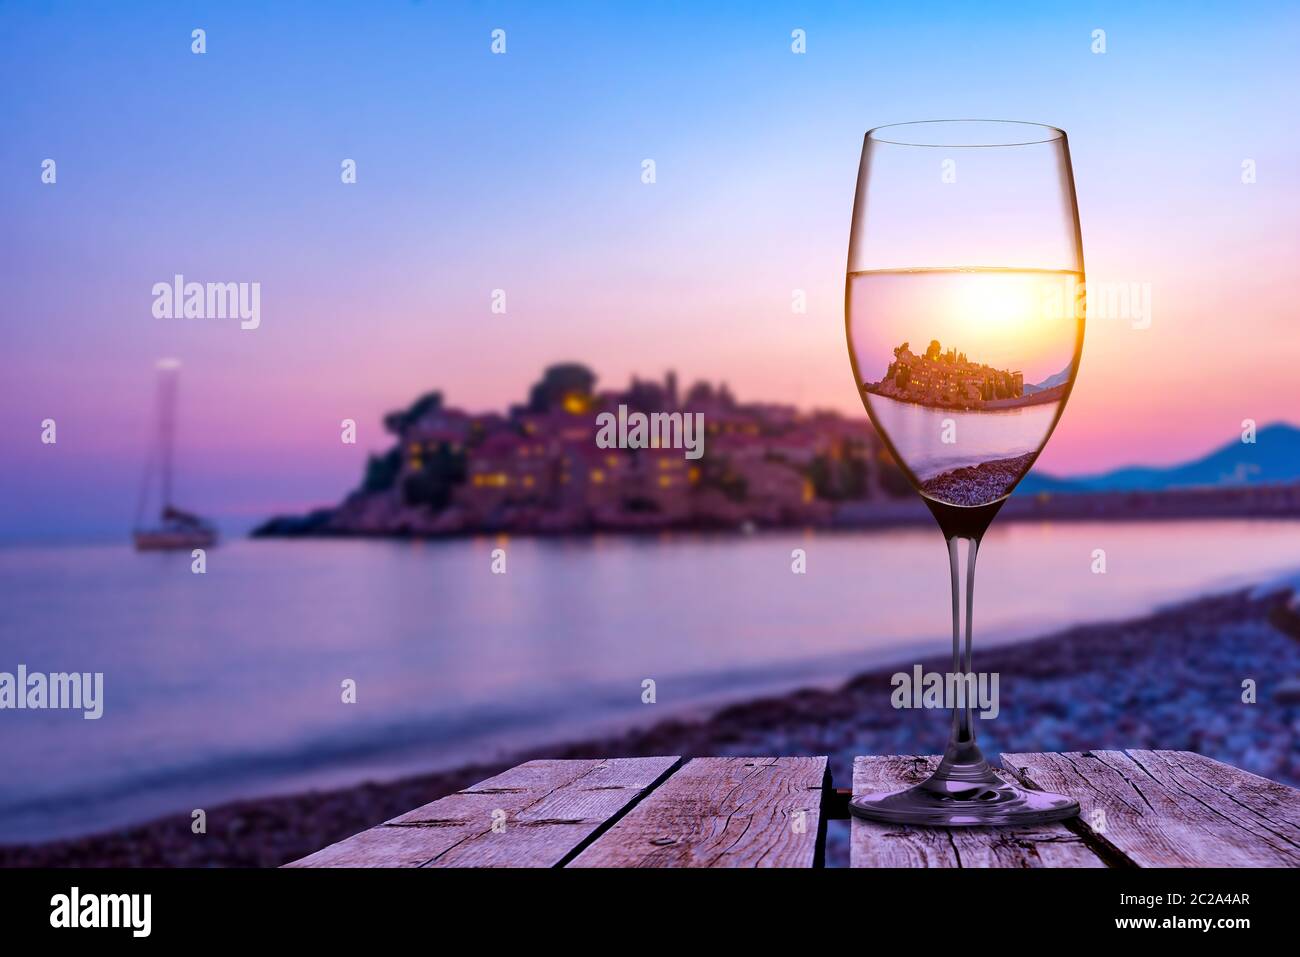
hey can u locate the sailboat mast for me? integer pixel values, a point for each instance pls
(167, 382)
(177, 529)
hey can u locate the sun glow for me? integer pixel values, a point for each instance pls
(1020, 310)
(1005, 303)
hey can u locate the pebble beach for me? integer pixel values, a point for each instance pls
(978, 484)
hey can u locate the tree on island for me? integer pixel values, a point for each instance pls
(433, 484)
(559, 382)
(398, 422)
(382, 471)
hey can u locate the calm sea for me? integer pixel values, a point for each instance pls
(227, 684)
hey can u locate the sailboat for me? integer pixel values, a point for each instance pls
(177, 529)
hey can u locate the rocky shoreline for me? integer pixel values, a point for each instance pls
(1170, 680)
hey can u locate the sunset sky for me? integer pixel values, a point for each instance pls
(522, 172)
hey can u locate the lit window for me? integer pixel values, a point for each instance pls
(575, 404)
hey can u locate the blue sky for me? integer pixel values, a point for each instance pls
(521, 172)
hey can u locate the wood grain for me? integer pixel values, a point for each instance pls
(1140, 808)
(878, 844)
(1173, 808)
(543, 811)
(721, 812)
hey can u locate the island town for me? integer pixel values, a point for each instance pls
(539, 467)
(947, 379)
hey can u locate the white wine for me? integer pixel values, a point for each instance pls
(965, 371)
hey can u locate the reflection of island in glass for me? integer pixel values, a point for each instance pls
(949, 380)
(989, 409)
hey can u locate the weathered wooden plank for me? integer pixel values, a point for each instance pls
(721, 812)
(542, 812)
(878, 844)
(1174, 808)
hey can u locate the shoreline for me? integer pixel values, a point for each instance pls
(1280, 501)
(1110, 685)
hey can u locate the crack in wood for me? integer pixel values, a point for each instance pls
(431, 822)
(548, 821)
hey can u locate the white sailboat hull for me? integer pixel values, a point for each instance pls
(160, 540)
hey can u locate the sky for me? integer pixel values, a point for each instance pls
(523, 172)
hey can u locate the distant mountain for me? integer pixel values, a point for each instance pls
(1273, 458)
(1051, 382)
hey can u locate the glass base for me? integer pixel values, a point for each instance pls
(973, 805)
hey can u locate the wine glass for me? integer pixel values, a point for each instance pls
(964, 311)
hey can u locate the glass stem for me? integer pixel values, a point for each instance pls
(963, 763)
(962, 731)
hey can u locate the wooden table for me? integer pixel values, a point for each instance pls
(1138, 809)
